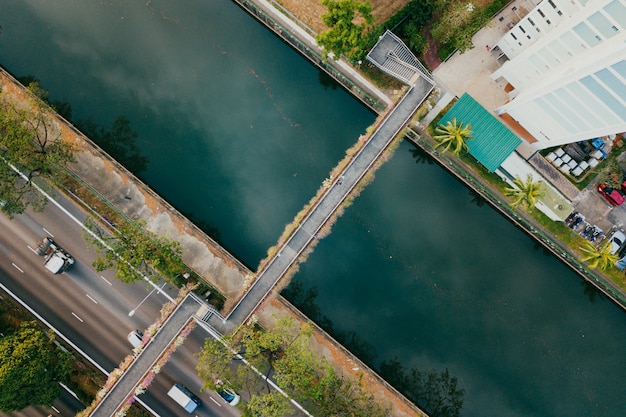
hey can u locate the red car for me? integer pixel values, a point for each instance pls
(612, 195)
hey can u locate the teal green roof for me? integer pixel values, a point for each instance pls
(493, 142)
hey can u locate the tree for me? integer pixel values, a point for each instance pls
(348, 22)
(31, 367)
(453, 136)
(598, 257)
(528, 191)
(31, 142)
(135, 251)
(273, 404)
(284, 353)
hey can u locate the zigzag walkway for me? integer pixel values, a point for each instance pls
(125, 386)
(341, 187)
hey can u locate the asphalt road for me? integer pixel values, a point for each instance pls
(91, 308)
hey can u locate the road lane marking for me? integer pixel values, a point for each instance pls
(74, 314)
(55, 409)
(218, 404)
(33, 250)
(91, 298)
(107, 281)
(17, 267)
(46, 230)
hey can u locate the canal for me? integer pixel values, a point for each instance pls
(240, 131)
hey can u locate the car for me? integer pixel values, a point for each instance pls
(227, 394)
(613, 196)
(134, 338)
(617, 241)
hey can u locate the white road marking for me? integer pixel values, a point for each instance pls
(91, 298)
(55, 409)
(46, 230)
(33, 250)
(218, 404)
(74, 314)
(107, 281)
(17, 267)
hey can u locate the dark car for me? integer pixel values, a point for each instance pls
(613, 196)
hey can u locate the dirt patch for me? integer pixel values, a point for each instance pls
(310, 11)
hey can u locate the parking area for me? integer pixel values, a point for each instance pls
(597, 210)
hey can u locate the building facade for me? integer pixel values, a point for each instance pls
(565, 63)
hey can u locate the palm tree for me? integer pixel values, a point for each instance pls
(529, 191)
(453, 136)
(598, 257)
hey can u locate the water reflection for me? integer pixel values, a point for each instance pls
(591, 291)
(436, 392)
(421, 156)
(326, 81)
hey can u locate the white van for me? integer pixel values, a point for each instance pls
(184, 397)
(134, 338)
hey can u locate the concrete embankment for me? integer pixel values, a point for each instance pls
(125, 193)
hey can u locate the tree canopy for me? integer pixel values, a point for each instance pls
(348, 22)
(135, 251)
(528, 191)
(598, 257)
(31, 367)
(30, 141)
(284, 353)
(453, 136)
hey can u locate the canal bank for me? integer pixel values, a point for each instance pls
(134, 200)
(304, 42)
(477, 64)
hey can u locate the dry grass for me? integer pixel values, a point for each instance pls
(310, 11)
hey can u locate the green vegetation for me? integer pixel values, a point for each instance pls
(348, 22)
(528, 191)
(453, 136)
(455, 23)
(31, 367)
(135, 252)
(32, 143)
(284, 352)
(598, 257)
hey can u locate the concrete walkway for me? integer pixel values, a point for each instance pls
(125, 386)
(324, 209)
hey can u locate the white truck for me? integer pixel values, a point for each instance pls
(184, 397)
(56, 259)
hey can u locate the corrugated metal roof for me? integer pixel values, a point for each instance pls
(493, 142)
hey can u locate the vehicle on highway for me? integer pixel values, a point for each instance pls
(184, 397)
(134, 338)
(617, 241)
(227, 393)
(613, 196)
(56, 260)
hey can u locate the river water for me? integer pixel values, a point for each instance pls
(240, 131)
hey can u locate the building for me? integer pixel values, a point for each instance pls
(565, 65)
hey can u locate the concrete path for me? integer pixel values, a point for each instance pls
(324, 209)
(146, 359)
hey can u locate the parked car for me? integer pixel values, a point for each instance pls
(228, 394)
(134, 338)
(613, 196)
(617, 241)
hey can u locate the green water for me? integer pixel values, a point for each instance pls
(241, 131)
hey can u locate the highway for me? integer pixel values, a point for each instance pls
(92, 309)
